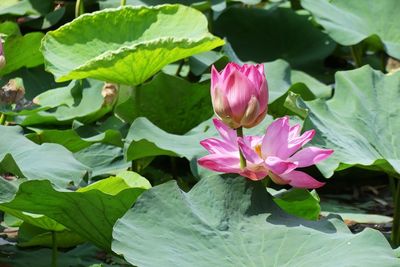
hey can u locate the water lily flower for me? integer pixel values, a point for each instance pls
(277, 154)
(240, 94)
(224, 153)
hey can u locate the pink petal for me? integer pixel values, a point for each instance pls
(221, 163)
(263, 96)
(294, 131)
(260, 68)
(239, 91)
(279, 166)
(221, 104)
(214, 79)
(303, 139)
(254, 76)
(244, 69)
(301, 180)
(254, 175)
(232, 66)
(253, 140)
(276, 138)
(277, 179)
(249, 153)
(224, 131)
(251, 113)
(260, 117)
(310, 156)
(296, 143)
(215, 146)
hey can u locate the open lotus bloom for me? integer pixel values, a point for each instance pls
(2, 57)
(239, 94)
(277, 154)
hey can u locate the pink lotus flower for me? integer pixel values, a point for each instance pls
(277, 154)
(239, 94)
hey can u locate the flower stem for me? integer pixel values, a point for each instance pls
(239, 132)
(210, 16)
(356, 53)
(79, 9)
(392, 185)
(123, 2)
(2, 119)
(396, 218)
(54, 246)
(180, 66)
(267, 181)
(295, 4)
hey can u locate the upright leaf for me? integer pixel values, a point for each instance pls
(22, 51)
(126, 45)
(361, 122)
(349, 22)
(262, 35)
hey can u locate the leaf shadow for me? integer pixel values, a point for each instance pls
(261, 203)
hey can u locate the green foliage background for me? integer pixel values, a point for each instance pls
(98, 158)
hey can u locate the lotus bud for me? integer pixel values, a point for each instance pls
(240, 94)
(109, 93)
(13, 92)
(2, 57)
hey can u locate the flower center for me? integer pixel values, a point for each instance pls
(257, 148)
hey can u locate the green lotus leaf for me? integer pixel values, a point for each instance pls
(266, 35)
(80, 100)
(8, 29)
(25, 7)
(126, 45)
(172, 103)
(38, 220)
(299, 202)
(283, 80)
(350, 212)
(83, 255)
(73, 139)
(90, 211)
(200, 63)
(145, 140)
(22, 157)
(116, 3)
(361, 122)
(22, 51)
(349, 22)
(103, 159)
(48, 20)
(31, 236)
(35, 80)
(234, 222)
(8, 190)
